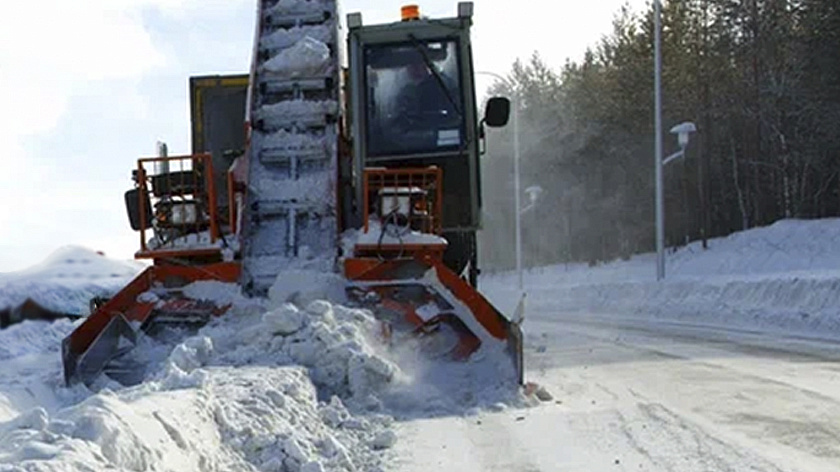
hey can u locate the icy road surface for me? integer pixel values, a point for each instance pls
(633, 394)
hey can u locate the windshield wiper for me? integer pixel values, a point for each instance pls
(436, 73)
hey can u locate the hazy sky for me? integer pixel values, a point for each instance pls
(88, 86)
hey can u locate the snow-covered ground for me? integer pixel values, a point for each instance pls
(784, 277)
(729, 364)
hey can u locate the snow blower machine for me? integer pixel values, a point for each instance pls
(354, 153)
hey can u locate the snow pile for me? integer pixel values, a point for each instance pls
(254, 390)
(67, 280)
(246, 418)
(309, 57)
(781, 277)
(335, 343)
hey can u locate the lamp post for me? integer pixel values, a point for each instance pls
(516, 197)
(683, 132)
(657, 92)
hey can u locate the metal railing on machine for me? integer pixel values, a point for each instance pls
(177, 201)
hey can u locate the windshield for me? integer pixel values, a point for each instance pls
(413, 94)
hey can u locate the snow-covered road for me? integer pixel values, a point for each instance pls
(634, 394)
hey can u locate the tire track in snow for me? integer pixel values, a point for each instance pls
(724, 384)
(751, 349)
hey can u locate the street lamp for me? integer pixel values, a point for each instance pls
(683, 132)
(534, 192)
(516, 197)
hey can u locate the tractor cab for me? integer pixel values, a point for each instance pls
(413, 106)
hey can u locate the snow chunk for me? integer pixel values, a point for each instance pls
(148, 297)
(220, 293)
(303, 287)
(384, 439)
(313, 466)
(284, 320)
(284, 38)
(192, 353)
(368, 373)
(309, 57)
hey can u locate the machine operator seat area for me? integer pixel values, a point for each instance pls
(414, 99)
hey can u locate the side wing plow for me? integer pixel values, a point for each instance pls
(112, 329)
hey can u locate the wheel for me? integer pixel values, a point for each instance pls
(461, 255)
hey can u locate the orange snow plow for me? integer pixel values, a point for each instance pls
(401, 276)
(326, 156)
(112, 329)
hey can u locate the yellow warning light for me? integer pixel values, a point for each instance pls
(410, 12)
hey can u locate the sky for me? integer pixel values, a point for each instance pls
(87, 87)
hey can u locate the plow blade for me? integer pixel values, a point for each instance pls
(112, 329)
(420, 295)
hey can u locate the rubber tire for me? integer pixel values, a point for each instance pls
(462, 249)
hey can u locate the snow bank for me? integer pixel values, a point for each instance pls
(67, 280)
(782, 277)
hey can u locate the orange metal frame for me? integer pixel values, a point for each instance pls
(429, 179)
(201, 166)
(125, 302)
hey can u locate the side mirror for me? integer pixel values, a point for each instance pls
(497, 112)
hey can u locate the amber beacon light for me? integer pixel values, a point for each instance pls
(410, 12)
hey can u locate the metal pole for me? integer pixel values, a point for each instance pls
(517, 197)
(660, 205)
